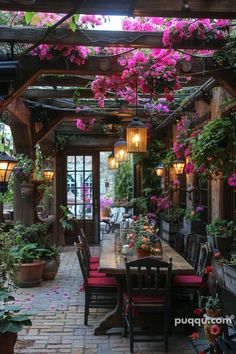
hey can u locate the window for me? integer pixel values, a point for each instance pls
(202, 197)
(80, 186)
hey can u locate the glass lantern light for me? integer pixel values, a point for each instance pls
(120, 150)
(136, 136)
(48, 174)
(179, 166)
(159, 170)
(111, 162)
(7, 164)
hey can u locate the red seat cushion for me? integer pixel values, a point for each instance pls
(93, 266)
(145, 299)
(95, 273)
(102, 281)
(94, 259)
(187, 281)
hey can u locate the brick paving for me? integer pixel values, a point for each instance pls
(58, 323)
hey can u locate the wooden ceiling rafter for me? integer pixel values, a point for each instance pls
(99, 38)
(168, 8)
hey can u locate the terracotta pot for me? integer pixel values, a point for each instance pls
(7, 342)
(26, 189)
(214, 313)
(142, 253)
(50, 269)
(29, 275)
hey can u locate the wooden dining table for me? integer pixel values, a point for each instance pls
(112, 262)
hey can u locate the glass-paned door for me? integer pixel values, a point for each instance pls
(82, 193)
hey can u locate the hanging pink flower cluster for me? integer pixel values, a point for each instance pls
(232, 180)
(203, 29)
(85, 125)
(159, 107)
(161, 203)
(74, 54)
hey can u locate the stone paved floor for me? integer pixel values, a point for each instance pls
(58, 326)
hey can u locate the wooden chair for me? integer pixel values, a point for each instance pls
(147, 292)
(89, 267)
(198, 281)
(227, 340)
(100, 292)
(83, 239)
(192, 248)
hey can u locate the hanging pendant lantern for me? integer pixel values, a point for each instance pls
(136, 136)
(120, 150)
(48, 174)
(7, 164)
(159, 170)
(179, 166)
(111, 162)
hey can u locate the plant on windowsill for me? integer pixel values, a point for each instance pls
(220, 235)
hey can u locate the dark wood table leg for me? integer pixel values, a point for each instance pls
(113, 318)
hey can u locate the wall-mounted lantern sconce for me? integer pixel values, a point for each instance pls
(120, 150)
(159, 170)
(7, 164)
(179, 166)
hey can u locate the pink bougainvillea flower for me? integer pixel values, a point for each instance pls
(194, 335)
(215, 330)
(199, 208)
(232, 180)
(208, 269)
(198, 312)
(216, 254)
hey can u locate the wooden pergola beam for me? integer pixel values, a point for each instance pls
(59, 93)
(69, 81)
(101, 38)
(167, 8)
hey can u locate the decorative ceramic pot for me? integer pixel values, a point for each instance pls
(50, 269)
(142, 253)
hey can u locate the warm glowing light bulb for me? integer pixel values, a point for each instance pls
(136, 139)
(122, 152)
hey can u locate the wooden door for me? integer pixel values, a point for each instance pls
(83, 192)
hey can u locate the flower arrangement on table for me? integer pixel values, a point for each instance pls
(143, 237)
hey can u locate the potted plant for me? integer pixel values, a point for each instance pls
(70, 225)
(24, 171)
(192, 222)
(142, 237)
(11, 322)
(52, 262)
(220, 235)
(28, 251)
(229, 273)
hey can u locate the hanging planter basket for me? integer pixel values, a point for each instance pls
(26, 189)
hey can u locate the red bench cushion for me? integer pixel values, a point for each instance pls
(187, 281)
(95, 273)
(145, 299)
(94, 259)
(93, 266)
(102, 281)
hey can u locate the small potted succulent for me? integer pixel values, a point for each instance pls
(220, 235)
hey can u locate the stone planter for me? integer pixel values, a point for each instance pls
(224, 245)
(29, 275)
(7, 342)
(193, 227)
(229, 272)
(26, 189)
(169, 231)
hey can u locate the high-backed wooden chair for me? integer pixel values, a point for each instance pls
(83, 239)
(100, 292)
(91, 272)
(148, 291)
(198, 281)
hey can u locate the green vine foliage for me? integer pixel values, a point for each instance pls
(213, 149)
(123, 183)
